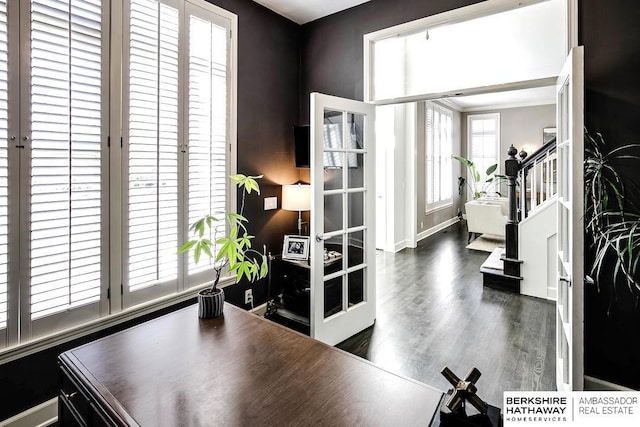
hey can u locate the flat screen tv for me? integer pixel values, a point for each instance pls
(301, 136)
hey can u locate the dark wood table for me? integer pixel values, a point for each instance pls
(178, 370)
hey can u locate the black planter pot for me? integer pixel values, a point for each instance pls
(210, 304)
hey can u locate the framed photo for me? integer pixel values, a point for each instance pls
(296, 248)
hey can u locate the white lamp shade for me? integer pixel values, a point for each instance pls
(296, 197)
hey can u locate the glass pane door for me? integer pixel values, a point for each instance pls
(343, 279)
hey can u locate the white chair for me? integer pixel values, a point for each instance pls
(487, 215)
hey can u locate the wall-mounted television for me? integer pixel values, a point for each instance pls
(302, 140)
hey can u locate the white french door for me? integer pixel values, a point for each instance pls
(343, 291)
(570, 303)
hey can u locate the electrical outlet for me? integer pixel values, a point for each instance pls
(270, 203)
(248, 296)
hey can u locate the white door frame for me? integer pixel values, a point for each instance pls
(485, 8)
(570, 241)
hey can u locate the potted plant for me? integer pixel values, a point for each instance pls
(232, 250)
(611, 219)
(479, 186)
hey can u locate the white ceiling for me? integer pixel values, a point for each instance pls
(303, 11)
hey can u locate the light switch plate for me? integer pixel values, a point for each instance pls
(270, 203)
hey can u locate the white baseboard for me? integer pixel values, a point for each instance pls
(596, 384)
(406, 243)
(398, 246)
(433, 230)
(45, 414)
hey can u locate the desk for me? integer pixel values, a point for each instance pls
(242, 370)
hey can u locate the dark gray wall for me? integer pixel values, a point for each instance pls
(332, 57)
(610, 34)
(268, 94)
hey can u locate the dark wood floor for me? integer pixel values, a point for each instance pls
(433, 311)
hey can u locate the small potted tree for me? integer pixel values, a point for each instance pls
(232, 250)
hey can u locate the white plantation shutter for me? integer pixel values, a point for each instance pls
(484, 133)
(178, 141)
(4, 172)
(153, 144)
(207, 121)
(66, 177)
(446, 171)
(438, 139)
(62, 226)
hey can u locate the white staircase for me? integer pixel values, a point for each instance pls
(537, 250)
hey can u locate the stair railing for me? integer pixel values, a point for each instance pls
(537, 178)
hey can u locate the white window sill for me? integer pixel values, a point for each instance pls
(42, 343)
(433, 209)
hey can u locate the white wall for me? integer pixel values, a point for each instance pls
(537, 249)
(397, 189)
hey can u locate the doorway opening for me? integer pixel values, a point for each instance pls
(405, 69)
(485, 57)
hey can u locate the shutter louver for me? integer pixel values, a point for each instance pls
(4, 153)
(429, 153)
(153, 144)
(66, 123)
(447, 171)
(439, 129)
(484, 137)
(207, 122)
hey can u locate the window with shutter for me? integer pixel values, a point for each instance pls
(176, 93)
(152, 144)
(438, 144)
(66, 118)
(178, 139)
(4, 171)
(484, 138)
(207, 119)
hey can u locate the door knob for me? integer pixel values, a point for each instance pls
(565, 279)
(320, 237)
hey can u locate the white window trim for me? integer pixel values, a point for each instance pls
(483, 116)
(441, 204)
(439, 207)
(111, 310)
(118, 303)
(44, 342)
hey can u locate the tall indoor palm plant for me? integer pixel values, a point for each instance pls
(612, 221)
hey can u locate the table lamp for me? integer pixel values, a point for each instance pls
(296, 197)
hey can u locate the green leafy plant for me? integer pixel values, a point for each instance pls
(613, 222)
(232, 249)
(479, 186)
